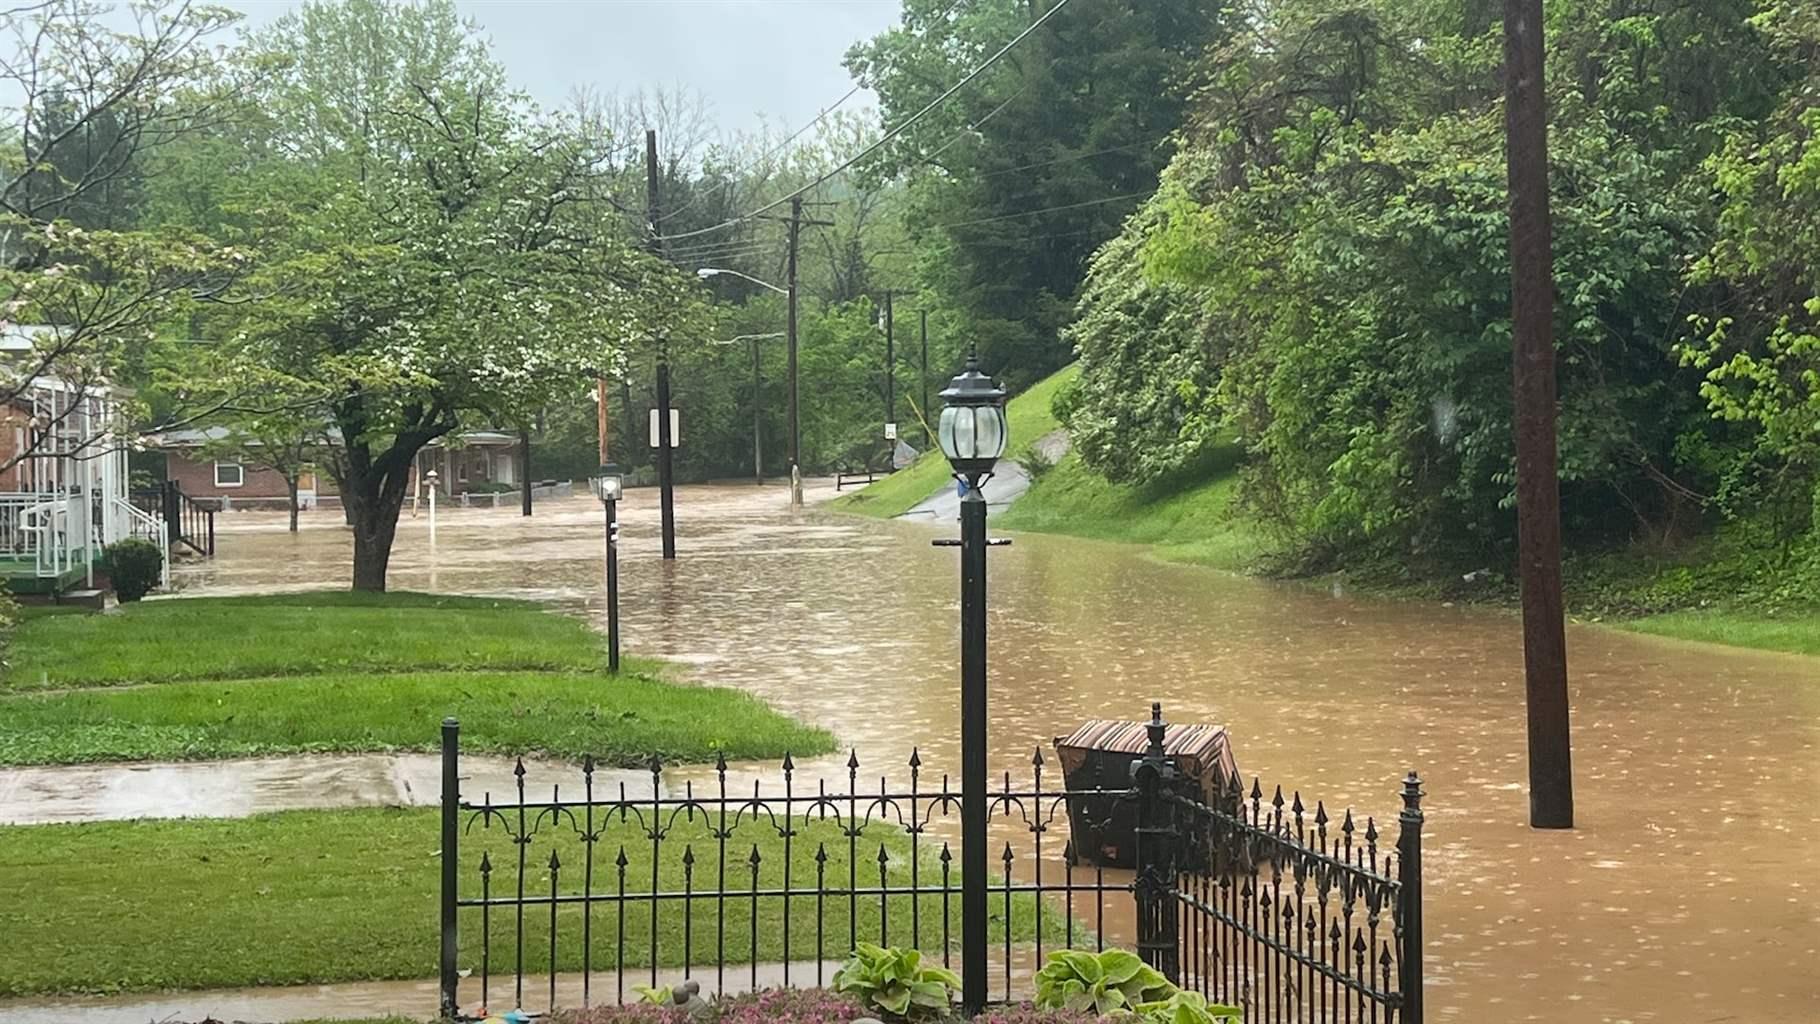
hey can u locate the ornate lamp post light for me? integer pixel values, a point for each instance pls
(608, 486)
(972, 434)
(429, 480)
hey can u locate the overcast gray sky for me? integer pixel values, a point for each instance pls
(777, 58)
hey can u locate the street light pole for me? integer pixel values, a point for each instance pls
(973, 437)
(608, 485)
(612, 505)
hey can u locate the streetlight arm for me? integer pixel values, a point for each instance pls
(707, 272)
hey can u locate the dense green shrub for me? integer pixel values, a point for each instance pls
(136, 567)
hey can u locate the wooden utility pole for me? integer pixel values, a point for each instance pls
(665, 468)
(599, 388)
(795, 426)
(524, 470)
(758, 419)
(1532, 292)
(890, 373)
(923, 413)
(796, 223)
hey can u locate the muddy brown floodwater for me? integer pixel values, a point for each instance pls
(1688, 891)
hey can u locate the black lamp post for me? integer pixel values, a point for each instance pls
(972, 434)
(608, 485)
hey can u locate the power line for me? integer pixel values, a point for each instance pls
(901, 127)
(1034, 213)
(768, 154)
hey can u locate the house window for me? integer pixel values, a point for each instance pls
(229, 474)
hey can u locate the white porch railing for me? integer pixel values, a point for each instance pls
(38, 529)
(145, 526)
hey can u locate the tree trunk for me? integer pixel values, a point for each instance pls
(291, 482)
(373, 503)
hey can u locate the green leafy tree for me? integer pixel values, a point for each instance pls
(1760, 349)
(431, 254)
(1016, 180)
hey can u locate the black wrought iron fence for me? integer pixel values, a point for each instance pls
(579, 889)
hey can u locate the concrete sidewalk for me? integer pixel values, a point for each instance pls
(238, 788)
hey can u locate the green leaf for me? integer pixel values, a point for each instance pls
(1120, 965)
(932, 994)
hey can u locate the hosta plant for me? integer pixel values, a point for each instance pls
(1104, 983)
(896, 981)
(1188, 1008)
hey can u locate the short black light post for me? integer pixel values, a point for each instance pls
(608, 486)
(972, 433)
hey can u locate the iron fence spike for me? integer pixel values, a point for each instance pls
(883, 857)
(789, 762)
(688, 857)
(554, 863)
(853, 759)
(486, 863)
(916, 758)
(1277, 801)
(755, 859)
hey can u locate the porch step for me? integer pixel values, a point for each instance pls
(93, 600)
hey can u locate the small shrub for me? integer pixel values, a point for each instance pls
(1027, 1013)
(1104, 983)
(895, 981)
(630, 1013)
(769, 1006)
(136, 567)
(1036, 461)
(791, 1006)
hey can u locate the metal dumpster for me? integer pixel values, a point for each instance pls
(1100, 754)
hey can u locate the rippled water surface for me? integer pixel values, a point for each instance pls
(1689, 891)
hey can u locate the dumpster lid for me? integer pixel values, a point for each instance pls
(1205, 745)
(1133, 738)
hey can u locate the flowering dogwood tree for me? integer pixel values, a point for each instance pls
(435, 252)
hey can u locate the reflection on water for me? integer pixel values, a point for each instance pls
(1686, 892)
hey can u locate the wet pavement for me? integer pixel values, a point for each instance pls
(1686, 892)
(237, 788)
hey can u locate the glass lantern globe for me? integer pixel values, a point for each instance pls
(972, 431)
(607, 484)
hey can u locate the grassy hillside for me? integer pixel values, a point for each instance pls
(1190, 520)
(1028, 417)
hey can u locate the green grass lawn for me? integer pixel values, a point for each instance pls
(1797, 633)
(1193, 522)
(345, 673)
(324, 896)
(1027, 416)
(618, 719)
(293, 634)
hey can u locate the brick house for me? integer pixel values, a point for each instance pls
(480, 460)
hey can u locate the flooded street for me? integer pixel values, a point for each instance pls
(1687, 892)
